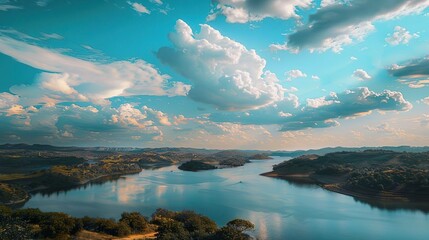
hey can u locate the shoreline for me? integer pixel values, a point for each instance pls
(382, 197)
(83, 182)
(40, 189)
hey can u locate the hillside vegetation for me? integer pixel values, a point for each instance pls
(164, 225)
(386, 175)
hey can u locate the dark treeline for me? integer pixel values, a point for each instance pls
(35, 224)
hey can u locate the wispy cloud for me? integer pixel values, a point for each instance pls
(6, 7)
(67, 78)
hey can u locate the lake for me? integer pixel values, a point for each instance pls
(280, 210)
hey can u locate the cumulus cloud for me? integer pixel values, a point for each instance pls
(9, 105)
(424, 100)
(400, 36)
(295, 73)
(66, 78)
(361, 75)
(139, 7)
(320, 112)
(243, 11)
(7, 100)
(320, 102)
(223, 72)
(358, 102)
(414, 73)
(160, 116)
(339, 24)
(129, 116)
(101, 125)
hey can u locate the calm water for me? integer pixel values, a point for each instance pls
(279, 209)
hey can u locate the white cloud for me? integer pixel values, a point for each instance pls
(7, 100)
(332, 27)
(295, 73)
(353, 58)
(400, 36)
(319, 102)
(161, 117)
(81, 125)
(178, 120)
(243, 11)
(425, 100)
(52, 36)
(320, 112)
(159, 2)
(139, 7)
(129, 116)
(315, 77)
(291, 89)
(361, 75)
(6, 7)
(325, 3)
(42, 3)
(283, 114)
(222, 71)
(71, 79)
(15, 110)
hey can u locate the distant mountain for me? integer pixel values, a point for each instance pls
(324, 151)
(35, 147)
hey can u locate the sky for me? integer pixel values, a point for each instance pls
(223, 74)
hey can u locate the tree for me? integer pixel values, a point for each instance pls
(135, 221)
(172, 230)
(197, 225)
(31, 215)
(241, 225)
(12, 228)
(163, 213)
(57, 224)
(234, 230)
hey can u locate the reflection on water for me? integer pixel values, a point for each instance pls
(396, 206)
(279, 209)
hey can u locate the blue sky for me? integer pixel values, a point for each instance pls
(243, 74)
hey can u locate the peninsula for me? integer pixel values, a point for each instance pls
(382, 175)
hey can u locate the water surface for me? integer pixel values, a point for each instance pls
(280, 210)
